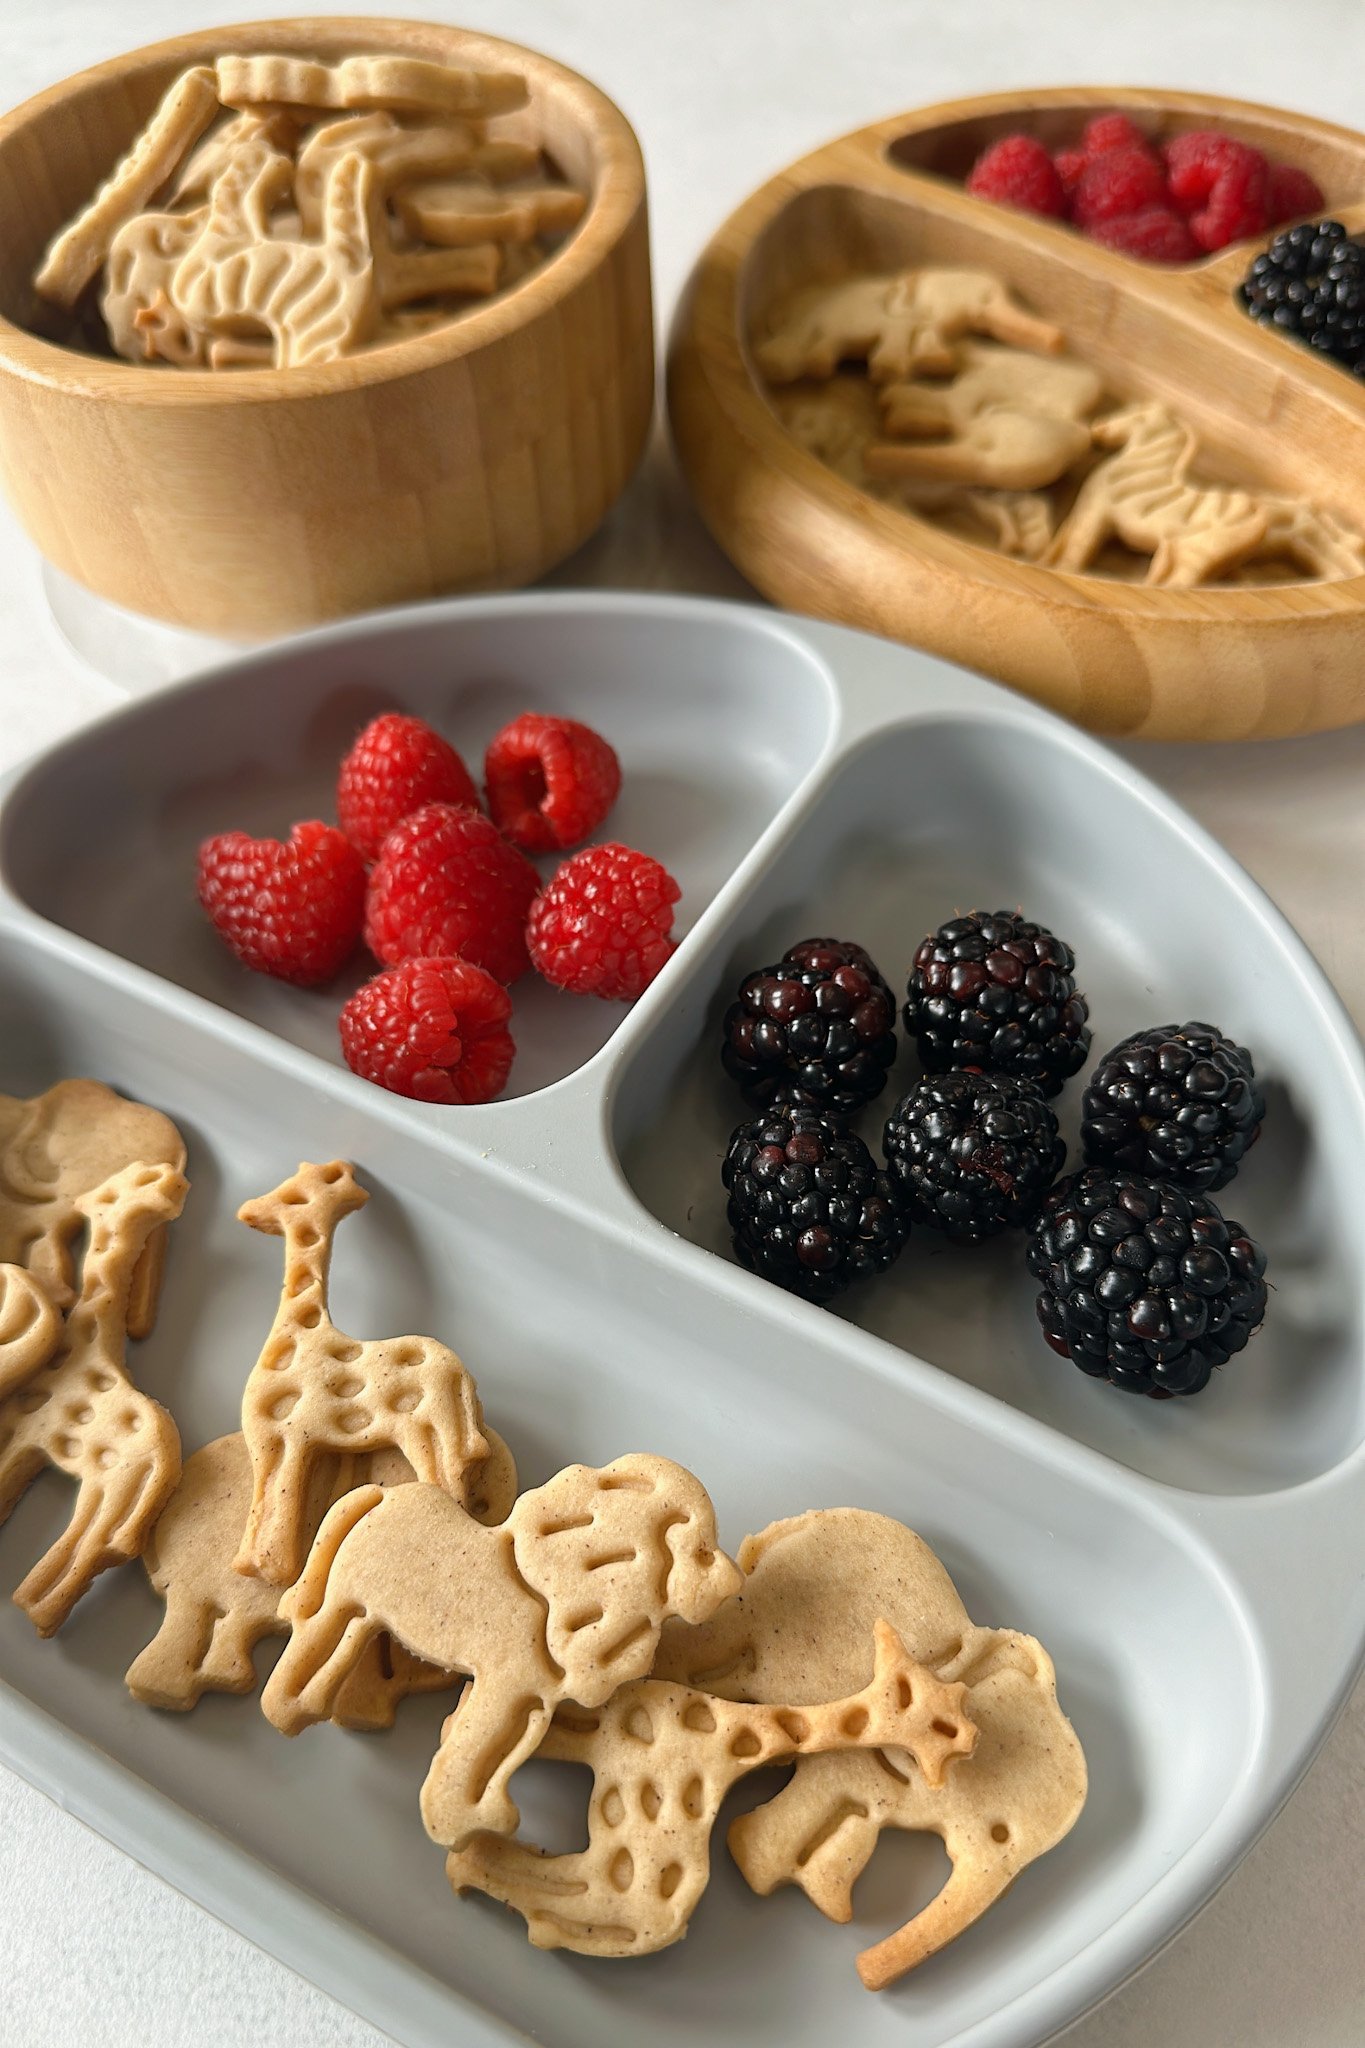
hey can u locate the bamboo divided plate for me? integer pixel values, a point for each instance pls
(242, 503)
(1122, 657)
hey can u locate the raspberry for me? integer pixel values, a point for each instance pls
(1111, 131)
(1120, 181)
(397, 765)
(1068, 164)
(446, 881)
(291, 909)
(1017, 171)
(1290, 194)
(1157, 234)
(550, 782)
(435, 1029)
(603, 926)
(1221, 185)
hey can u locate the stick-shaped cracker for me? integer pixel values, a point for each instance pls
(77, 253)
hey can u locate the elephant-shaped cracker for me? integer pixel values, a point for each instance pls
(564, 1601)
(1007, 421)
(216, 1616)
(662, 1758)
(315, 1391)
(82, 1413)
(900, 325)
(798, 1632)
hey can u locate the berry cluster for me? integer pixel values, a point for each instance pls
(450, 904)
(1310, 283)
(1143, 1281)
(1167, 203)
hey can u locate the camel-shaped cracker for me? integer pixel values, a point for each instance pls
(82, 1413)
(215, 1616)
(315, 1390)
(1193, 532)
(1007, 421)
(57, 1147)
(663, 1757)
(563, 1602)
(900, 324)
(799, 1632)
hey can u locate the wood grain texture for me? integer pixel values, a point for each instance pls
(472, 457)
(1117, 656)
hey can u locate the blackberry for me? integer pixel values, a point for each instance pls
(992, 990)
(972, 1154)
(809, 1206)
(1310, 283)
(818, 1029)
(1143, 1284)
(1179, 1102)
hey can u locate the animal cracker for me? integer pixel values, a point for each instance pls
(899, 324)
(410, 85)
(1007, 421)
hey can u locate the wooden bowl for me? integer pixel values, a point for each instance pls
(1216, 662)
(471, 457)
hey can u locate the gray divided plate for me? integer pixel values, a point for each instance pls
(1193, 1566)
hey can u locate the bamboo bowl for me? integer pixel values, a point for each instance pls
(1215, 662)
(251, 502)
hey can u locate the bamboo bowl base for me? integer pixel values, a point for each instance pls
(1276, 656)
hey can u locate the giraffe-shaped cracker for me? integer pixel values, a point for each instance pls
(82, 1413)
(900, 325)
(215, 1616)
(314, 1390)
(564, 1601)
(663, 1757)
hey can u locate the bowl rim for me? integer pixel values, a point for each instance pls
(618, 197)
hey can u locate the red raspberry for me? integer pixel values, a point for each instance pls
(550, 782)
(1157, 234)
(446, 881)
(1122, 180)
(1221, 186)
(1017, 171)
(603, 926)
(1290, 194)
(1112, 131)
(288, 909)
(397, 765)
(434, 1029)
(1068, 164)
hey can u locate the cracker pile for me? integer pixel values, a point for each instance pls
(970, 414)
(366, 1512)
(326, 208)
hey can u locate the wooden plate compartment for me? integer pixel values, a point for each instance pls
(1218, 661)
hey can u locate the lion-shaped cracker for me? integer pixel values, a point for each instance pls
(799, 1632)
(82, 1413)
(901, 324)
(57, 1147)
(314, 1390)
(215, 1617)
(563, 1602)
(1007, 421)
(662, 1758)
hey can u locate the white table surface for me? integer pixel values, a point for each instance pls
(722, 93)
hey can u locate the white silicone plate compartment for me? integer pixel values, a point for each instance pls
(1192, 1567)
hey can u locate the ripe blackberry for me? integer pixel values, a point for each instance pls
(1310, 283)
(818, 1028)
(809, 1206)
(991, 990)
(973, 1154)
(1143, 1284)
(1179, 1102)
